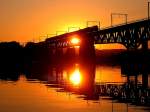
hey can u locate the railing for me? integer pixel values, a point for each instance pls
(130, 22)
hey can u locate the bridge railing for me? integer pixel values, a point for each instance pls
(129, 22)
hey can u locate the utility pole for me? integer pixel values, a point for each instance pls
(75, 28)
(119, 14)
(97, 22)
(60, 32)
(50, 35)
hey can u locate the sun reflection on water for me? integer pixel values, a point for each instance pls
(75, 77)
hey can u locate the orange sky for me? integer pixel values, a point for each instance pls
(27, 20)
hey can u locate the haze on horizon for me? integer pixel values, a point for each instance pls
(27, 20)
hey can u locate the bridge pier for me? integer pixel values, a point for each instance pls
(87, 48)
(58, 56)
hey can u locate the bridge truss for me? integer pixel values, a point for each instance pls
(131, 35)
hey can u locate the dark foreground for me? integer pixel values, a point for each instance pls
(113, 81)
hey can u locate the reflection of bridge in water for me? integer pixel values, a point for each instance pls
(135, 90)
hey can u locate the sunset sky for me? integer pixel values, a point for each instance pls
(28, 20)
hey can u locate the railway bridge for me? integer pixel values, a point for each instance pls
(132, 35)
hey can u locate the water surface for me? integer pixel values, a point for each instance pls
(41, 93)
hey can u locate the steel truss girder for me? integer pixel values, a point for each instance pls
(130, 35)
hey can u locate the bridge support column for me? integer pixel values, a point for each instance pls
(52, 55)
(87, 48)
(59, 55)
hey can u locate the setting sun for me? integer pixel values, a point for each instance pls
(75, 78)
(75, 40)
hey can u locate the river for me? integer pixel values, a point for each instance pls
(65, 88)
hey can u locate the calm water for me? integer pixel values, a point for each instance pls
(52, 91)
